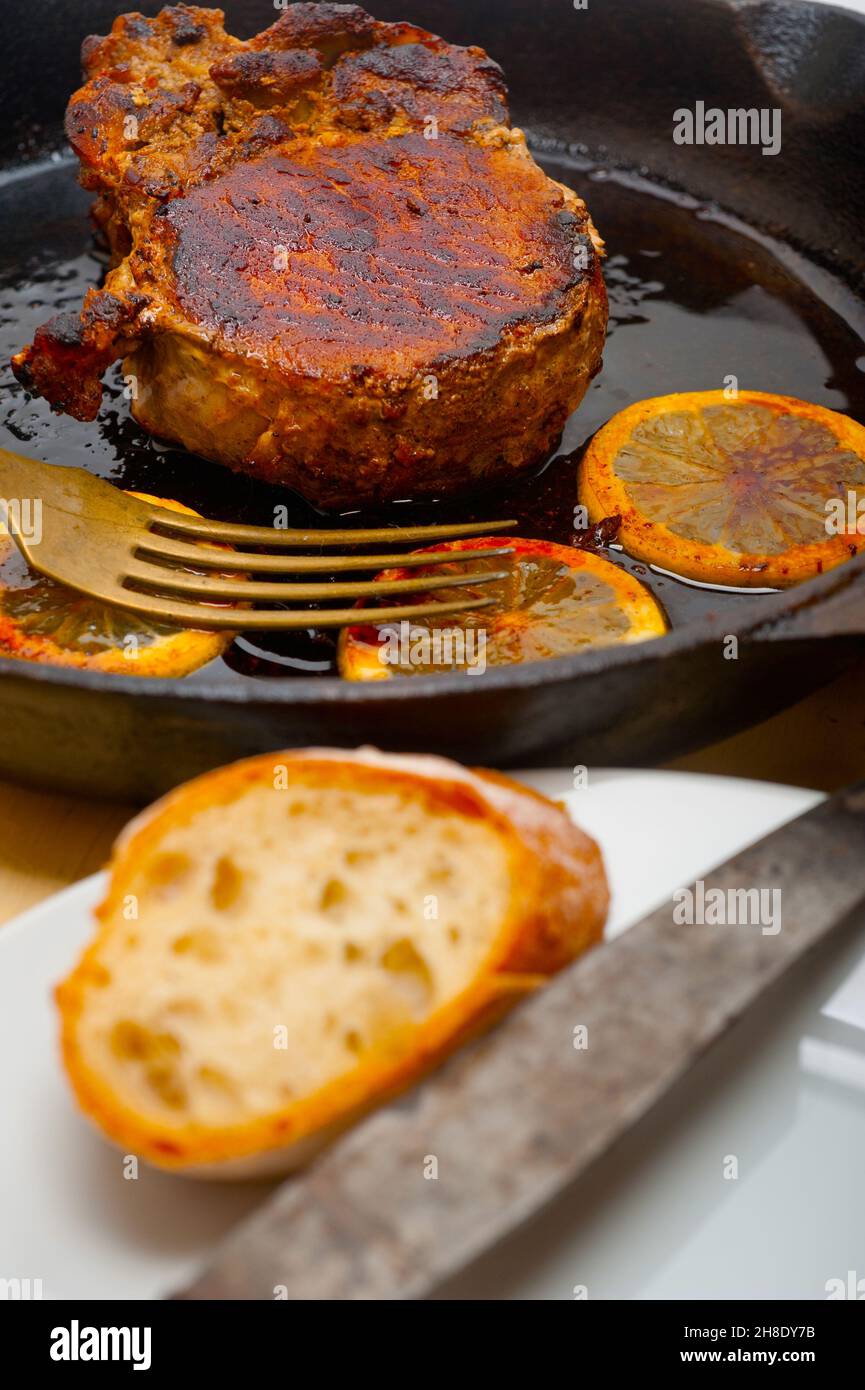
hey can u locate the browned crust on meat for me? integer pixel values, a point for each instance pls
(306, 224)
(267, 78)
(69, 354)
(369, 255)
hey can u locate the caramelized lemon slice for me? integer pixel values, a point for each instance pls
(43, 621)
(746, 491)
(555, 600)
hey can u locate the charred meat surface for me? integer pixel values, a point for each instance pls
(336, 266)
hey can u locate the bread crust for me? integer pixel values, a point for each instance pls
(557, 910)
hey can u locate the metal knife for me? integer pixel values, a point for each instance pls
(514, 1118)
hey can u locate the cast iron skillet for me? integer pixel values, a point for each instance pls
(599, 83)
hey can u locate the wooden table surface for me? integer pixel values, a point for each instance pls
(47, 841)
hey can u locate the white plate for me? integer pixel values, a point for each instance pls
(657, 1219)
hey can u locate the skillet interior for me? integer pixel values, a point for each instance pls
(609, 79)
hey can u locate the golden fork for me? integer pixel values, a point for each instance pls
(131, 554)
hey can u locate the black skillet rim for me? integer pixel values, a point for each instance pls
(305, 690)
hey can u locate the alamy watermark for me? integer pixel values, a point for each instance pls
(20, 1290)
(851, 1287)
(447, 647)
(845, 516)
(23, 517)
(77, 1343)
(734, 907)
(736, 126)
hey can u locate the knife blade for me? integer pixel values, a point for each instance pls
(419, 1189)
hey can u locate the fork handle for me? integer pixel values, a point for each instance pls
(18, 475)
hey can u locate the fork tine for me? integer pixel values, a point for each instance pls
(229, 533)
(97, 530)
(181, 582)
(210, 557)
(203, 616)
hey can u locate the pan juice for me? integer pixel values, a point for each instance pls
(696, 298)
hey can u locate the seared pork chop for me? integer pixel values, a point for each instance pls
(336, 265)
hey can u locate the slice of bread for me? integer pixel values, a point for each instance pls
(287, 941)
